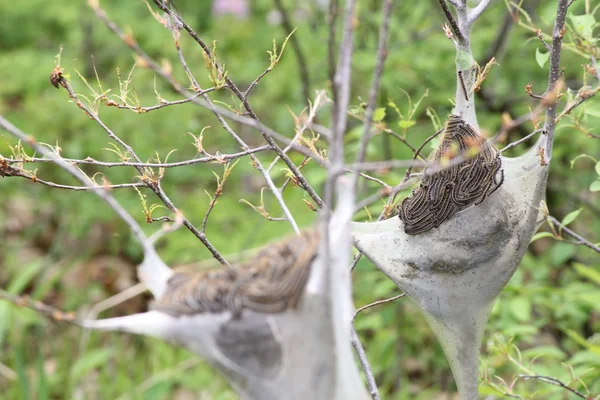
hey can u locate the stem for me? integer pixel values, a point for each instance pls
(553, 77)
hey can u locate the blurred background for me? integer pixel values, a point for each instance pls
(70, 250)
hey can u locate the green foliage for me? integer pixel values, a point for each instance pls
(54, 242)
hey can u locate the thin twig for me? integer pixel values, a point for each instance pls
(538, 33)
(10, 171)
(379, 302)
(476, 12)
(380, 58)
(364, 363)
(312, 112)
(555, 382)
(99, 190)
(418, 152)
(553, 77)
(518, 142)
(150, 63)
(163, 103)
(452, 21)
(220, 158)
(236, 91)
(331, 56)
(360, 351)
(42, 308)
(154, 185)
(255, 161)
(575, 235)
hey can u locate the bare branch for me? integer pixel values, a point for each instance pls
(379, 63)
(231, 86)
(10, 171)
(580, 239)
(523, 139)
(453, 24)
(364, 363)
(331, 56)
(554, 75)
(219, 158)
(379, 302)
(360, 351)
(150, 63)
(555, 382)
(538, 33)
(153, 184)
(476, 12)
(418, 153)
(163, 103)
(99, 190)
(42, 308)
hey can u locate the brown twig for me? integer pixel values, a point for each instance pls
(418, 152)
(580, 239)
(360, 351)
(554, 76)
(10, 171)
(163, 103)
(255, 161)
(236, 91)
(452, 21)
(151, 182)
(380, 58)
(219, 158)
(518, 142)
(42, 308)
(555, 382)
(148, 62)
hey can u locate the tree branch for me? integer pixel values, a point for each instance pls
(580, 238)
(554, 75)
(452, 21)
(153, 184)
(374, 91)
(236, 91)
(476, 12)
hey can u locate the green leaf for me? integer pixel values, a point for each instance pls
(595, 186)
(88, 362)
(584, 25)
(598, 168)
(19, 355)
(580, 340)
(561, 252)
(405, 124)
(540, 235)
(593, 111)
(593, 274)
(520, 308)
(26, 275)
(379, 114)
(43, 392)
(541, 58)
(5, 319)
(570, 217)
(435, 120)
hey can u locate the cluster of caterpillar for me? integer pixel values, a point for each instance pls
(271, 282)
(465, 170)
